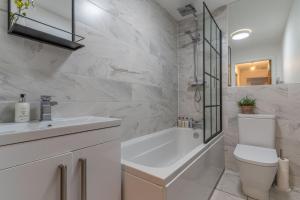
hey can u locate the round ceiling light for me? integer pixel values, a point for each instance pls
(241, 34)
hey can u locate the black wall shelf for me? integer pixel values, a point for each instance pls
(40, 36)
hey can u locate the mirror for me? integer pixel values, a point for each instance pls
(43, 20)
(55, 13)
(264, 42)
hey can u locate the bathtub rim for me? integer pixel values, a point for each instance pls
(164, 175)
(141, 138)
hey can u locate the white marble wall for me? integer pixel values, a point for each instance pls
(128, 68)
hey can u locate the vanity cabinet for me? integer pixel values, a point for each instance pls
(80, 166)
(41, 180)
(97, 173)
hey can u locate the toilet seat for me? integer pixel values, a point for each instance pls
(256, 155)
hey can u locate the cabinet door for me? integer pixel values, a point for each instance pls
(41, 180)
(97, 173)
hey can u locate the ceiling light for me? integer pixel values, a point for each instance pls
(241, 34)
(253, 68)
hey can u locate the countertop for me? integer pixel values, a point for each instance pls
(12, 133)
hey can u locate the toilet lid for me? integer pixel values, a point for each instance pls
(256, 155)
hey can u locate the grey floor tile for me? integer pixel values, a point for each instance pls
(219, 195)
(230, 183)
(276, 195)
(229, 188)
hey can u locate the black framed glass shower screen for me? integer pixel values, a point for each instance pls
(212, 76)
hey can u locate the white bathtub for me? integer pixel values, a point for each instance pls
(172, 164)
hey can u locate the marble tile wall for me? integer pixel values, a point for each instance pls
(128, 68)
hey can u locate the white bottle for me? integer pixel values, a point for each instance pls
(186, 122)
(190, 122)
(182, 122)
(179, 123)
(22, 110)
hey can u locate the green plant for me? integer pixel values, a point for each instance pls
(247, 101)
(22, 6)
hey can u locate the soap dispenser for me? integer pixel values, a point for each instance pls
(22, 110)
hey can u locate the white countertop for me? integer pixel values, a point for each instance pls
(11, 133)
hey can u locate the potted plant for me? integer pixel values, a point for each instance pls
(247, 105)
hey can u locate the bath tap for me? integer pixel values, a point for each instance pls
(46, 105)
(197, 124)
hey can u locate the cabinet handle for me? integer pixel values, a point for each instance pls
(83, 163)
(63, 181)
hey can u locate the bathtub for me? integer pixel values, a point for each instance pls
(172, 164)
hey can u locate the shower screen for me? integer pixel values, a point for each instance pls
(212, 76)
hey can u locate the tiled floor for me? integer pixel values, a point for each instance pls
(229, 188)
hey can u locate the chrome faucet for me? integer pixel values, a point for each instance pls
(197, 124)
(46, 104)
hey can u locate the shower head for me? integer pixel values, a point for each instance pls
(187, 10)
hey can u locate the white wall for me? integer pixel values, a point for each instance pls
(291, 46)
(260, 52)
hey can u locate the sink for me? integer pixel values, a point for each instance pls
(20, 132)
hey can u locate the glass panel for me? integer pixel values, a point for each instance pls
(207, 123)
(213, 91)
(218, 118)
(218, 41)
(207, 26)
(213, 62)
(212, 77)
(207, 90)
(207, 57)
(218, 66)
(214, 34)
(218, 95)
(214, 120)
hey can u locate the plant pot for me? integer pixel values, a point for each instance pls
(247, 109)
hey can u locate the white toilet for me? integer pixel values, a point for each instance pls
(256, 155)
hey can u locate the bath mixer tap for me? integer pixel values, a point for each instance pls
(46, 105)
(197, 124)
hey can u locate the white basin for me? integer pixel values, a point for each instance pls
(20, 132)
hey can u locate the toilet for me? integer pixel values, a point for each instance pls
(256, 155)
